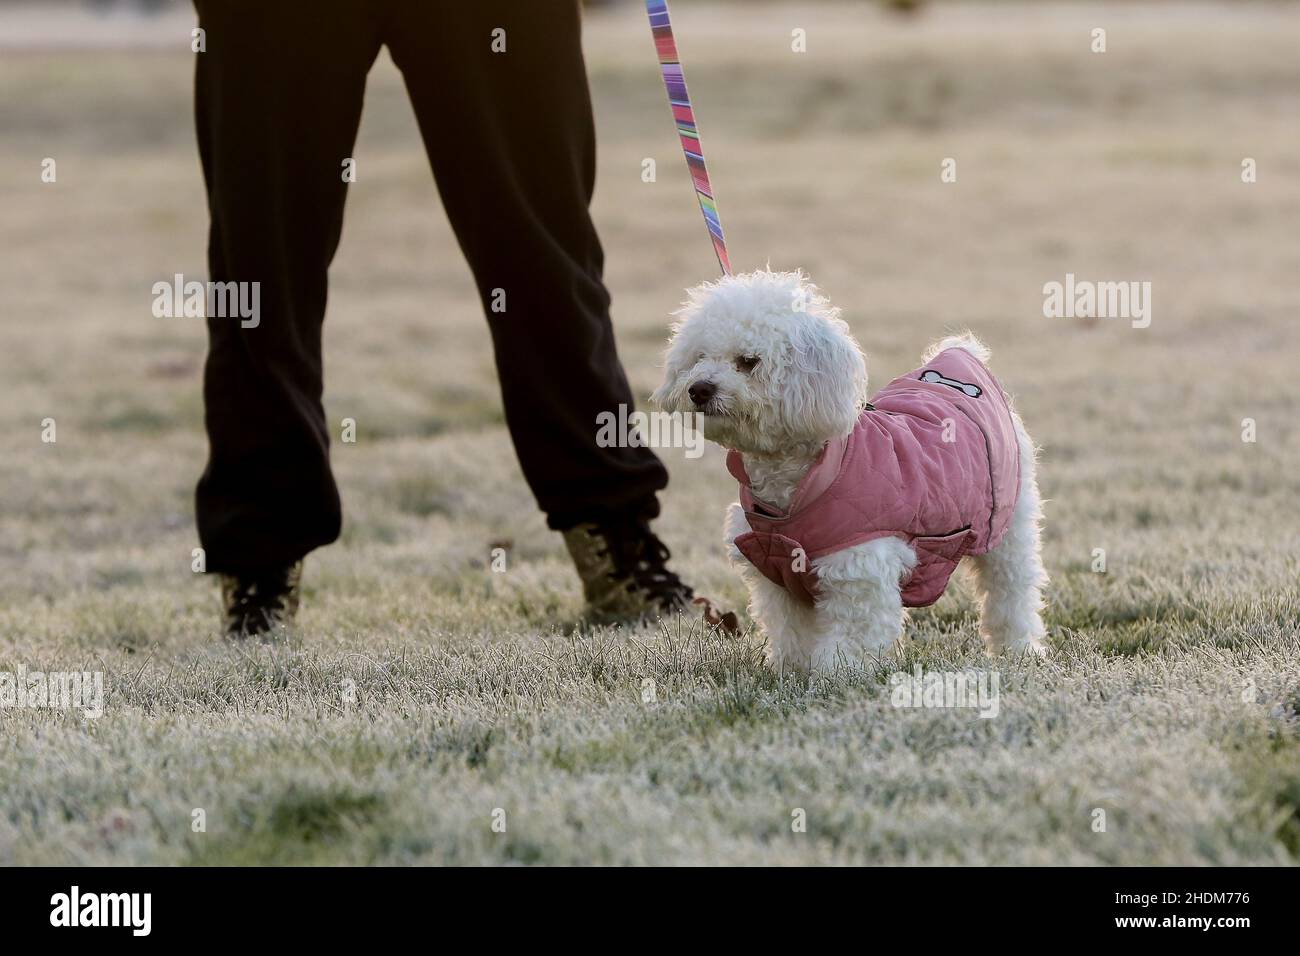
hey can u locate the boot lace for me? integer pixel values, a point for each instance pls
(638, 554)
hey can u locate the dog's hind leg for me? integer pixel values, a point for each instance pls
(859, 603)
(1011, 578)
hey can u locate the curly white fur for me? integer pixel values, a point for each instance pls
(806, 387)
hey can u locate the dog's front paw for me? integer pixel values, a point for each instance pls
(1032, 646)
(788, 658)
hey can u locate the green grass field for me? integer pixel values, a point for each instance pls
(422, 692)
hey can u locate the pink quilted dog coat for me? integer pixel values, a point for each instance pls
(933, 460)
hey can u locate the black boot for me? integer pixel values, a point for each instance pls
(257, 604)
(624, 572)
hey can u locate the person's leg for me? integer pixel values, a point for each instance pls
(278, 96)
(500, 92)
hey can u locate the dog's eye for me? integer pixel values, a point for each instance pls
(747, 363)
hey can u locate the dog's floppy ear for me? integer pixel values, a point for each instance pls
(676, 358)
(825, 381)
(672, 368)
(679, 355)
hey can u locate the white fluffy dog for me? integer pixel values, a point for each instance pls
(778, 378)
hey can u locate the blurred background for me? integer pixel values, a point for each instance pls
(1117, 166)
(1172, 695)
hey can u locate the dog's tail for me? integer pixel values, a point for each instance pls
(962, 340)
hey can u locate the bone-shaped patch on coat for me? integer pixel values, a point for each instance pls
(930, 375)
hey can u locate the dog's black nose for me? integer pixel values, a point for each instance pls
(701, 392)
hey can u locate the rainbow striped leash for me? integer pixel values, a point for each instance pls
(680, 100)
